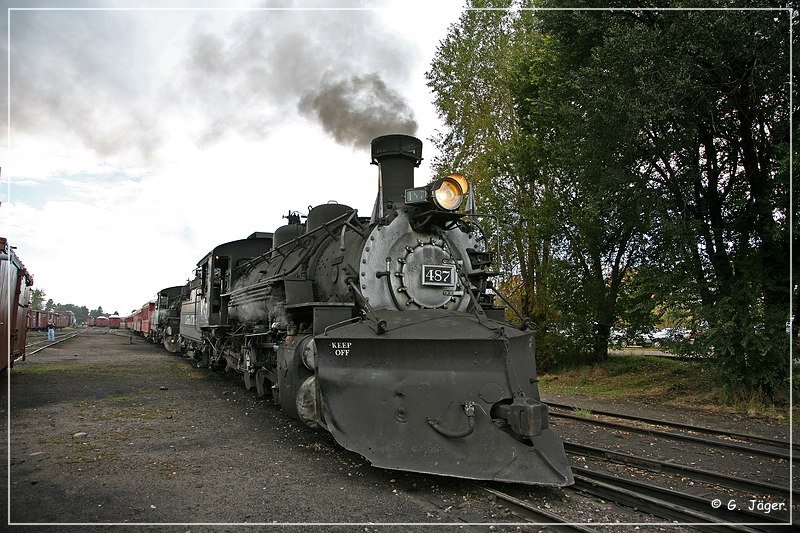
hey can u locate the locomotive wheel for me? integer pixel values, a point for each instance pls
(276, 394)
(262, 383)
(204, 356)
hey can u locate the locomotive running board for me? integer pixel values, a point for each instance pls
(419, 397)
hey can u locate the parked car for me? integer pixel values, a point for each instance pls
(630, 337)
(662, 337)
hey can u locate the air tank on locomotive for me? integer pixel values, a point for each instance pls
(380, 330)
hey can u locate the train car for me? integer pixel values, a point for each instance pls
(101, 321)
(165, 320)
(90, 321)
(37, 319)
(33, 319)
(69, 319)
(114, 321)
(63, 319)
(141, 320)
(15, 295)
(382, 331)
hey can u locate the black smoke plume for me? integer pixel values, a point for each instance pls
(356, 109)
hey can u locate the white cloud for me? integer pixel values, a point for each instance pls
(129, 200)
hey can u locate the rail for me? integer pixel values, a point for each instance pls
(778, 443)
(780, 454)
(23, 357)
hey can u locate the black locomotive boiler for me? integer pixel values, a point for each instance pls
(381, 331)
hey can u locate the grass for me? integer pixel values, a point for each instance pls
(656, 380)
(582, 412)
(630, 376)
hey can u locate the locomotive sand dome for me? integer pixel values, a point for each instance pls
(380, 330)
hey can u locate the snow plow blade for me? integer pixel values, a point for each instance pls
(415, 399)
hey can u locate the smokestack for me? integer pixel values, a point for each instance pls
(396, 157)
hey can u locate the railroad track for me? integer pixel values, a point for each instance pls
(749, 444)
(746, 485)
(680, 508)
(533, 514)
(47, 345)
(653, 498)
(675, 507)
(756, 439)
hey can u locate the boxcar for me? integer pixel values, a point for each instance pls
(62, 320)
(15, 294)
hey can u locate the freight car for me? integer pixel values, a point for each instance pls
(382, 330)
(37, 319)
(90, 321)
(101, 321)
(15, 295)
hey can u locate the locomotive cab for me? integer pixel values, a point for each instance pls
(218, 273)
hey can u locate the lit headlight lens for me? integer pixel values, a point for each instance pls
(462, 181)
(448, 194)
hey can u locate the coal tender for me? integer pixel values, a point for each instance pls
(380, 330)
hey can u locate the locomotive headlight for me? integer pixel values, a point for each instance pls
(447, 193)
(462, 181)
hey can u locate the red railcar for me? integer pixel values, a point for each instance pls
(141, 319)
(101, 321)
(90, 321)
(15, 294)
(114, 321)
(62, 320)
(37, 319)
(32, 318)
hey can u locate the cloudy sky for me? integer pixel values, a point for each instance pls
(140, 139)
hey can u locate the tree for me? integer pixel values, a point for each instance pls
(472, 77)
(706, 98)
(501, 86)
(81, 312)
(37, 299)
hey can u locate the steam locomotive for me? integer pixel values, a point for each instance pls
(378, 329)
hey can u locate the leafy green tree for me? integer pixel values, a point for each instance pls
(37, 299)
(81, 312)
(706, 101)
(501, 86)
(472, 78)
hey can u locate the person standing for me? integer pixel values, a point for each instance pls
(51, 331)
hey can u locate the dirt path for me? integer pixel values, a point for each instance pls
(105, 430)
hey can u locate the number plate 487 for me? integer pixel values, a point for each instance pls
(439, 275)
